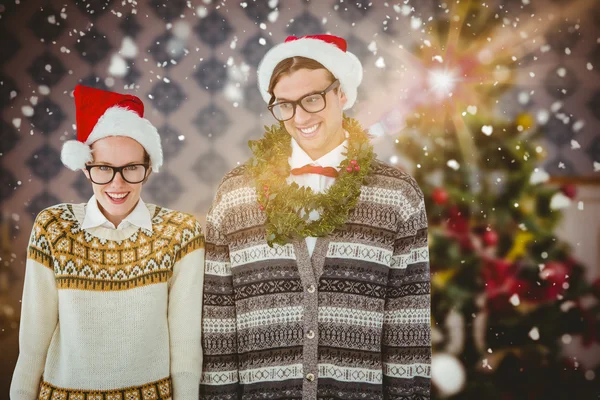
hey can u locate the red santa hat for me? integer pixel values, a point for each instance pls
(100, 114)
(328, 50)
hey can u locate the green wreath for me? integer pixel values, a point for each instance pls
(288, 205)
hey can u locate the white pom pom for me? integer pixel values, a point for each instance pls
(75, 154)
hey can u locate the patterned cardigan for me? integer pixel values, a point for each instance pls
(350, 322)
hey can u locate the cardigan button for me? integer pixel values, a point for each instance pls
(310, 334)
(311, 289)
(310, 377)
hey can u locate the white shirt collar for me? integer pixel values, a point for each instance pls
(334, 158)
(139, 216)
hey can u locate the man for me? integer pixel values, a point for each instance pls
(317, 272)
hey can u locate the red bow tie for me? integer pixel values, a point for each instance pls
(314, 169)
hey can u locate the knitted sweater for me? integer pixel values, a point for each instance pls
(111, 314)
(350, 322)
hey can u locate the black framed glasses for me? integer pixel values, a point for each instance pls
(311, 103)
(104, 174)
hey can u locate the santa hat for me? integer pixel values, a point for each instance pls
(328, 50)
(101, 114)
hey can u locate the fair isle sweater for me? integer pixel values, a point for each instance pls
(350, 322)
(111, 314)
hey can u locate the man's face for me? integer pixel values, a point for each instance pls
(317, 133)
(118, 198)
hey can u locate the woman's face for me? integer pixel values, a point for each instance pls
(117, 198)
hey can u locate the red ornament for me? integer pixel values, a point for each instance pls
(353, 162)
(490, 238)
(555, 272)
(262, 208)
(465, 242)
(499, 304)
(458, 224)
(349, 168)
(553, 276)
(501, 283)
(439, 196)
(357, 168)
(569, 190)
(266, 188)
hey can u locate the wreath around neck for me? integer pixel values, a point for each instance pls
(288, 206)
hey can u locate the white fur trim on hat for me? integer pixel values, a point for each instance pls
(345, 66)
(116, 121)
(75, 154)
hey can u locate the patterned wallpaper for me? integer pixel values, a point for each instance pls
(194, 65)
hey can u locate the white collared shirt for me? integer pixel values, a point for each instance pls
(139, 216)
(318, 183)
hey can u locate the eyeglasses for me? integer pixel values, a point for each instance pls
(311, 103)
(104, 174)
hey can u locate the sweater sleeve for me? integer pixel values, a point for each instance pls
(220, 377)
(39, 311)
(185, 311)
(407, 315)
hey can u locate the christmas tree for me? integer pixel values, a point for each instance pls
(506, 292)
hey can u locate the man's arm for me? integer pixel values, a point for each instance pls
(407, 316)
(220, 379)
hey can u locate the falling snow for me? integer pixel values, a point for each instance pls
(539, 176)
(453, 164)
(44, 90)
(118, 66)
(534, 333)
(27, 111)
(273, 15)
(559, 201)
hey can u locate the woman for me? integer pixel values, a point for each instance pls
(112, 296)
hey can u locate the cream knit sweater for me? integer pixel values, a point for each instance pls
(111, 314)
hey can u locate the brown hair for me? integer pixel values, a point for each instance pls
(146, 157)
(293, 64)
(148, 162)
